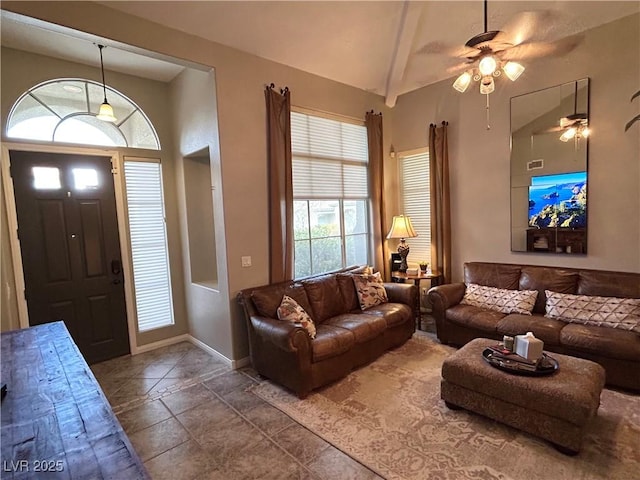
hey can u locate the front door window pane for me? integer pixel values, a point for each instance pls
(46, 178)
(84, 178)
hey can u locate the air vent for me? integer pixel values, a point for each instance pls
(535, 164)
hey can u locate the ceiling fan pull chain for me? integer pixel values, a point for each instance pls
(488, 122)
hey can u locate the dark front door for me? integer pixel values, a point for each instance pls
(68, 233)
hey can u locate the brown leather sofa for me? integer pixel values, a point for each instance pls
(347, 337)
(618, 351)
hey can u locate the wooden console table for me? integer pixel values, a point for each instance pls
(56, 420)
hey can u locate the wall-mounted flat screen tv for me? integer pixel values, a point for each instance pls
(558, 201)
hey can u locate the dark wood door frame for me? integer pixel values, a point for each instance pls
(10, 209)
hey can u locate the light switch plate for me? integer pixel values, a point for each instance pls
(246, 261)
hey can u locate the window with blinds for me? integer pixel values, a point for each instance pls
(150, 258)
(330, 191)
(416, 201)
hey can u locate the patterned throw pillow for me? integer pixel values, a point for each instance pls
(500, 299)
(291, 311)
(609, 312)
(371, 291)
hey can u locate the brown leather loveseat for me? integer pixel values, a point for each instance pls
(617, 350)
(347, 337)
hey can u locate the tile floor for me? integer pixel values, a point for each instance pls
(189, 416)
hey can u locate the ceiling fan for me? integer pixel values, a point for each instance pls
(490, 54)
(575, 125)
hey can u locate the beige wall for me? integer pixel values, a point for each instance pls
(240, 80)
(479, 158)
(195, 123)
(21, 71)
(610, 57)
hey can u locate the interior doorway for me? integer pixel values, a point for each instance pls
(68, 233)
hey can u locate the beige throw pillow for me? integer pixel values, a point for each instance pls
(500, 299)
(371, 291)
(291, 311)
(609, 312)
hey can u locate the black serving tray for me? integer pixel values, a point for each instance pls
(546, 366)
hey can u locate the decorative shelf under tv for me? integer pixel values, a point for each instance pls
(558, 240)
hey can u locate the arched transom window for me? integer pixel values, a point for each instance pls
(64, 110)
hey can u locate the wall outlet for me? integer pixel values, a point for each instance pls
(246, 261)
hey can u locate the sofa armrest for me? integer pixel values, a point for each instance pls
(443, 297)
(446, 296)
(404, 293)
(287, 336)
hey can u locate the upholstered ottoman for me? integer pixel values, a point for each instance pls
(556, 407)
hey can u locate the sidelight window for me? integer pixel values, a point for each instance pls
(149, 250)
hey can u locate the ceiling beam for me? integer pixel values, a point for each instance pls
(409, 19)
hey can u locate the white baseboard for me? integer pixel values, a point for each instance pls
(235, 364)
(161, 343)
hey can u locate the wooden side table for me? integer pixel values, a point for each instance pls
(435, 278)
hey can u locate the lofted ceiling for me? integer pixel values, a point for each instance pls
(386, 47)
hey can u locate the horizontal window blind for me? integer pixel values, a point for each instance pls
(151, 276)
(329, 158)
(416, 203)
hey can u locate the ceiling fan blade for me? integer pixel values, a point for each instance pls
(459, 68)
(524, 25)
(549, 130)
(439, 48)
(542, 49)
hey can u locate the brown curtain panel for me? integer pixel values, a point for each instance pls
(373, 123)
(440, 206)
(280, 184)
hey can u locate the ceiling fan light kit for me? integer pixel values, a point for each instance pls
(487, 48)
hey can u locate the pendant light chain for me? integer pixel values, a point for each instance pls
(104, 87)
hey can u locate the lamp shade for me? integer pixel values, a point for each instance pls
(401, 228)
(106, 113)
(462, 82)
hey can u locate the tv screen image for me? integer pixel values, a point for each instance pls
(558, 201)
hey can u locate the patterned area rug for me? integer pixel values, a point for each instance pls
(389, 416)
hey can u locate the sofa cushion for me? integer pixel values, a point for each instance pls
(291, 311)
(500, 299)
(325, 297)
(392, 313)
(601, 341)
(331, 341)
(609, 284)
(267, 299)
(474, 317)
(348, 288)
(370, 290)
(546, 329)
(492, 274)
(364, 326)
(544, 278)
(611, 312)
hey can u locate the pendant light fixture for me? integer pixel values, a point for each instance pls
(106, 110)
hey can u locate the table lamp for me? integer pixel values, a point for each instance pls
(401, 228)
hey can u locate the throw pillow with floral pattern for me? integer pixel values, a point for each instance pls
(371, 291)
(291, 311)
